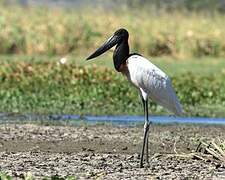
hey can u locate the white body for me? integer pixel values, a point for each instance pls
(152, 82)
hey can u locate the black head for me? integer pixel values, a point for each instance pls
(123, 33)
(118, 37)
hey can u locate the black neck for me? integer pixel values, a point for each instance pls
(121, 54)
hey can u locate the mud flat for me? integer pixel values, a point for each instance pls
(108, 152)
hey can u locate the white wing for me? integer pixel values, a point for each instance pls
(153, 83)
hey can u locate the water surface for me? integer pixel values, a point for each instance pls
(117, 120)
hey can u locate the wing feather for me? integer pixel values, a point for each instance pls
(154, 82)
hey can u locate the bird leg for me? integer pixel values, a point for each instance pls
(146, 131)
(147, 135)
(145, 144)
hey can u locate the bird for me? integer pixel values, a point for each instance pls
(150, 80)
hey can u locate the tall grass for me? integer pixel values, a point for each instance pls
(61, 31)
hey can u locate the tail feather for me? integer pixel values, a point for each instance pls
(178, 110)
(176, 106)
(168, 100)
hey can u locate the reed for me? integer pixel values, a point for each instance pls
(59, 31)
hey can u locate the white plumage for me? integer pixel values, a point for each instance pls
(152, 82)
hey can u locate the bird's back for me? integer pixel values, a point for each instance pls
(153, 82)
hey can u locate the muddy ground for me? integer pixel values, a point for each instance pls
(107, 152)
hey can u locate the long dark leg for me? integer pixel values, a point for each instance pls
(145, 107)
(146, 130)
(147, 134)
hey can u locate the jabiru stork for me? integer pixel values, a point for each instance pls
(151, 81)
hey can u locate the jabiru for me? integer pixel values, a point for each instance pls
(151, 81)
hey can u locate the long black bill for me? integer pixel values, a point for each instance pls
(112, 41)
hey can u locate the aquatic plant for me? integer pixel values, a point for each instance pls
(47, 87)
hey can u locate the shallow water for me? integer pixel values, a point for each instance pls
(155, 119)
(117, 120)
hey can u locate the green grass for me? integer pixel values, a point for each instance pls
(40, 85)
(172, 66)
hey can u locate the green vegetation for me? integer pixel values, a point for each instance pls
(33, 82)
(57, 31)
(4, 176)
(44, 87)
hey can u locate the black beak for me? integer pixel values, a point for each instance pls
(112, 41)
